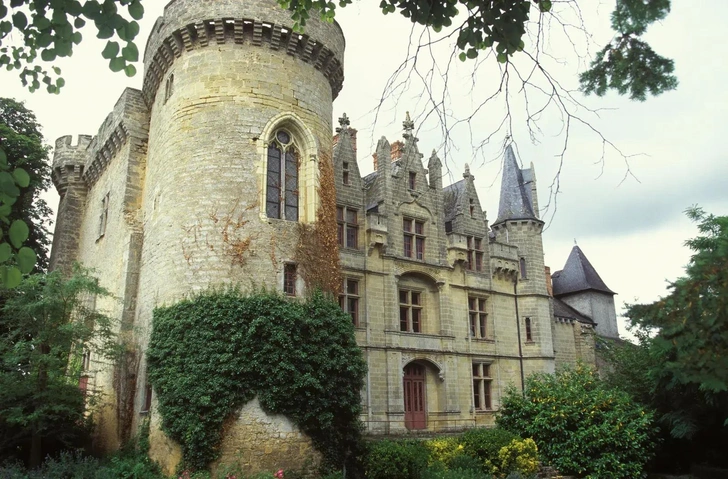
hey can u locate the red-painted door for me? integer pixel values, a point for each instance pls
(414, 397)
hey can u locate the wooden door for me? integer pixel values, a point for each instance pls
(414, 397)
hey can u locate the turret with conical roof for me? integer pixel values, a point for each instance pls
(580, 286)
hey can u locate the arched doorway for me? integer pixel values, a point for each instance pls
(415, 416)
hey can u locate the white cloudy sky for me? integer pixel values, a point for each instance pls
(632, 229)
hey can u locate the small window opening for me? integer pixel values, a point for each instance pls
(289, 279)
(522, 263)
(472, 208)
(104, 216)
(529, 330)
(412, 180)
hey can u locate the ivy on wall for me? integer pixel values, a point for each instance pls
(210, 355)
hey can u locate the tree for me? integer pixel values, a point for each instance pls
(47, 326)
(683, 348)
(22, 141)
(50, 29)
(627, 64)
(581, 425)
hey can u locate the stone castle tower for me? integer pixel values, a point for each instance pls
(205, 176)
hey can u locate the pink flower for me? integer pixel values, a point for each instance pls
(279, 474)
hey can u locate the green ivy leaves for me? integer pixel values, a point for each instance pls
(50, 30)
(210, 355)
(15, 259)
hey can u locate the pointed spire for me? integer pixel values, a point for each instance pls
(515, 195)
(408, 125)
(434, 166)
(434, 161)
(467, 174)
(578, 275)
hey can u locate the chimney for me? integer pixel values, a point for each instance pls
(549, 284)
(397, 150)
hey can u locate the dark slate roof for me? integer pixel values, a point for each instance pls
(515, 195)
(451, 195)
(563, 310)
(578, 275)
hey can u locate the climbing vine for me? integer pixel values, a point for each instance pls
(210, 355)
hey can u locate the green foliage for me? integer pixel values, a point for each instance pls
(210, 355)
(626, 65)
(680, 365)
(580, 425)
(45, 326)
(32, 30)
(464, 462)
(441, 473)
(485, 444)
(520, 456)
(404, 459)
(27, 156)
(444, 450)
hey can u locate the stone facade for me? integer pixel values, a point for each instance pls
(181, 190)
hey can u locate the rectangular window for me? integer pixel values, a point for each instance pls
(478, 318)
(522, 264)
(481, 387)
(289, 279)
(103, 218)
(414, 238)
(147, 398)
(83, 384)
(475, 254)
(349, 299)
(348, 227)
(410, 311)
(529, 330)
(412, 180)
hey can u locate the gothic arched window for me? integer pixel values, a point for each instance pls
(282, 181)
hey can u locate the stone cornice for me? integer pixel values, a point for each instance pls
(240, 31)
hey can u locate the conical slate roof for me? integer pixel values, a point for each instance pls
(578, 275)
(515, 195)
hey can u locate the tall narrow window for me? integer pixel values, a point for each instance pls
(472, 208)
(481, 386)
(410, 311)
(349, 299)
(169, 87)
(104, 216)
(529, 330)
(345, 173)
(289, 279)
(478, 318)
(282, 179)
(348, 226)
(475, 254)
(147, 398)
(414, 238)
(412, 180)
(522, 264)
(83, 385)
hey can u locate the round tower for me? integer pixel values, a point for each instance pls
(227, 83)
(240, 127)
(68, 167)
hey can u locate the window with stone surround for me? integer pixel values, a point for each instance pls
(282, 177)
(147, 405)
(482, 386)
(478, 318)
(414, 238)
(348, 227)
(169, 87)
(410, 311)
(349, 299)
(345, 174)
(475, 254)
(529, 330)
(104, 216)
(289, 279)
(412, 180)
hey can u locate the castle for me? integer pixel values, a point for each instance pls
(205, 176)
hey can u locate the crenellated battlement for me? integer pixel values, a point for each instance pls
(69, 160)
(241, 31)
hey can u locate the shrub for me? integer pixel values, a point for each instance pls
(581, 426)
(211, 354)
(442, 473)
(396, 459)
(485, 444)
(465, 462)
(519, 456)
(444, 450)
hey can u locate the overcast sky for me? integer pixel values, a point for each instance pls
(625, 213)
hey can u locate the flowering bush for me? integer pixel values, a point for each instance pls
(519, 456)
(444, 450)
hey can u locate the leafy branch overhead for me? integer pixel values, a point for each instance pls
(49, 29)
(627, 64)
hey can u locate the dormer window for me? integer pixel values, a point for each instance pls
(345, 174)
(414, 238)
(412, 180)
